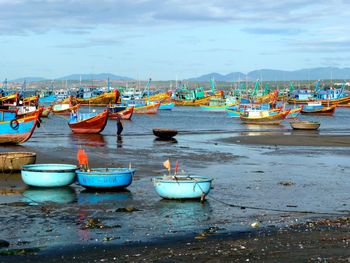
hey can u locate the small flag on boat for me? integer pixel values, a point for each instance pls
(82, 157)
(167, 165)
(176, 167)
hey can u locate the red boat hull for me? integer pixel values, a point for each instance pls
(91, 125)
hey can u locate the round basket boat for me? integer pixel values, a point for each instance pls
(165, 133)
(13, 161)
(106, 177)
(48, 175)
(183, 187)
(305, 125)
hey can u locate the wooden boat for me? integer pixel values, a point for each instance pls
(124, 115)
(305, 125)
(64, 109)
(316, 108)
(88, 123)
(106, 177)
(48, 175)
(195, 102)
(182, 187)
(101, 100)
(13, 161)
(263, 117)
(149, 109)
(164, 133)
(17, 131)
(46, 111)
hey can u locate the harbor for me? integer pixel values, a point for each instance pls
(259, 183)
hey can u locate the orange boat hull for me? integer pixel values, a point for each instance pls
(91, 125)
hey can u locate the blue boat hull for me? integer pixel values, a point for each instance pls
(184, 188)
(48, 175)
(106, 178)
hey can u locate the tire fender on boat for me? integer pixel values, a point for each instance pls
(14, 124)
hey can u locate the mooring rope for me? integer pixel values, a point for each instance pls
(275, 209)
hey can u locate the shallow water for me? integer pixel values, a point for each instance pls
(279, 181)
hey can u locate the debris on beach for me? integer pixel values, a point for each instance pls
(127, 210)
(19, 252)
(286, 183)
(207, 232)
(95, 223)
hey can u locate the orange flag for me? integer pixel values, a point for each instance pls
(82, 157)
(167, 165)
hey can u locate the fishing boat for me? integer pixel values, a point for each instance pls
(92, 123)
(103, 99)
(64, 109)
(124, 114)
(148, 109)
(305, 125)
(164, 133)
(48, 175)
(235, 111)
(13, 161)
(316, 108)
(263, 117)
(182, 187)
(15, 131)
(106, 177)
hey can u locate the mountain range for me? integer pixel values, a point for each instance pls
(261, 74)
(280, 75)
(100, 76)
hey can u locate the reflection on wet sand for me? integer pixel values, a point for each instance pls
(263, 133)
(257, 127)
(62, 195)
(119, 141)
(305, 132)
(93, 140)
(91, 197)
(160, 140)
(183, 213)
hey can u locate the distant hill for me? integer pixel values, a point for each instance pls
(28, 79)
(280, 75)
(101, 76)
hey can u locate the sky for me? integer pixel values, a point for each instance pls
(170, 39)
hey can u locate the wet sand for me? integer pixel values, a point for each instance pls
(315, 241)
(299, 139)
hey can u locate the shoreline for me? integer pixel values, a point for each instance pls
(323, 240)
(291, 140)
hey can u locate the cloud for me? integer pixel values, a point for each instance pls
(21, 17)
(91, 43)
(273, 31)
(323, 45)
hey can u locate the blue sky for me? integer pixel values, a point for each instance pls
(168, 39)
